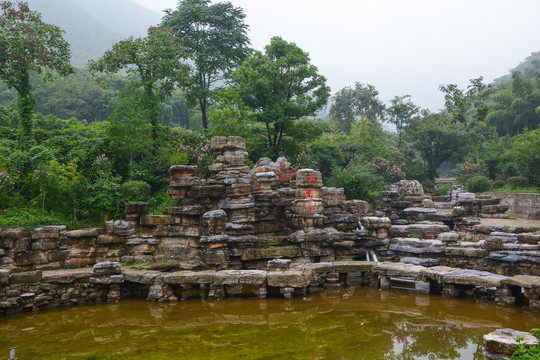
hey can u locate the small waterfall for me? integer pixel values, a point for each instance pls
(371, 253)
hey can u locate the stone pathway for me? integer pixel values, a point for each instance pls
(518, 222)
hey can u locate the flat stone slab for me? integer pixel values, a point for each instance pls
(503, 342)
(526, 281)
(474, 277)
(353, 266)
(421, 229)
(398, 269)
(290, 278)
(322, 267)
(66, 275)
(189, 277)
(437, 273)
(426, 262)
(416, 246)
(240, 277)
(516, 256)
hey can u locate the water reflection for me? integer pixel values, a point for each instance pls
(341, 324)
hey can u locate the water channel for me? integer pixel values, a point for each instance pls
(334, 324)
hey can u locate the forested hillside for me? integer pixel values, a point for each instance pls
(92, 27)
(78, 148)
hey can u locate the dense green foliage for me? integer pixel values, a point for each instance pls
(280, 86)
(349, 104)
(98, 142)
(28, 44)
(216, 36)
(155, 62)
(530, 353)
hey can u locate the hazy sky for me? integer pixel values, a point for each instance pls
(399, 46)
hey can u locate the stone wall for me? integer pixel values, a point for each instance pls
(525, 206)
(240, 219)
(35, 290)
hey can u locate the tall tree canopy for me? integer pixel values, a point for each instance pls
(216, 36)
(155, 62)
(27, 44)
(281, 86)
(401, 113)
(351, 103)
(515, 105)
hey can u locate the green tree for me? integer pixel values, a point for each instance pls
(523, 156)
(216, 37)
(154, 61)
(437, 139)
(468, 108)
(515, 105)
(280, 86)
(349, 104)
(400, 114)
(231, 117)
(26, 45)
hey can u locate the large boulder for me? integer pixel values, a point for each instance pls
(410, 188)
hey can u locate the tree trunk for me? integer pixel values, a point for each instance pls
(203, 113)
(26, 106)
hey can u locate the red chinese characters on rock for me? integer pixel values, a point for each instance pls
(309, 195)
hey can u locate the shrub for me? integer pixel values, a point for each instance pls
(443, 189)
(517, 181)
(390, 172)
(469, 169)
(497, 184)
(361, 183)
(135, 191)
(524, 353)
(427, 183)
(478, 183)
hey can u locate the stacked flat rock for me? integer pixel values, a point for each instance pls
(403, 194)
(489, 207)
(230, 155)
(308, 205)
(182, 179)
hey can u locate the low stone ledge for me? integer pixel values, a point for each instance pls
(465, 252)
(416, 246)
(84, 233)
(353, 266)
(240, 277)
(189, 277)
(28, 277)
(296, 278)
(474, 277)
(525, 281)
(398, 270)
(502, 343)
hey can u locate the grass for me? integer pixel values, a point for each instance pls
(508, 189)
(139, 262)
(35, 218)
(444, 188)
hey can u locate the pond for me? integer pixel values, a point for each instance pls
(334, 324)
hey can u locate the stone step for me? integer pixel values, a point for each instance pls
(416, 246)
(424, 231)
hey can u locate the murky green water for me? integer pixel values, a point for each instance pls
(367, 324)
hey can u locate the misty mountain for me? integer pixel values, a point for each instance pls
(528, 67)
(93, 26)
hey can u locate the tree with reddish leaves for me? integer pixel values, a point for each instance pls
(28, 44)
(351, 103)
